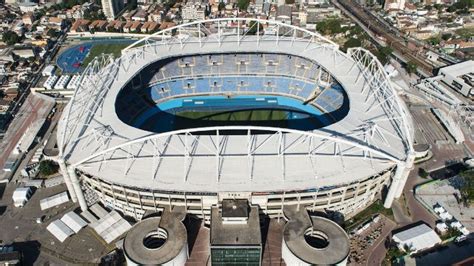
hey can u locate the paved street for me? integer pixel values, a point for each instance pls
(378, 251)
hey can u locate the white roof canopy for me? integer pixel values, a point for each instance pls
(60, 230)
(74, 221)
(417, 238)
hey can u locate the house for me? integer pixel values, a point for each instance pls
(56, 22)
(28, 18)
(119, 25)
(101, 25)
(11, 93)
(153, 27)
(4, 105)
(127, 26)
(140, 15)
(166, 25)
(136, 26)
(79, 25)
(24, 53)
(110, 26)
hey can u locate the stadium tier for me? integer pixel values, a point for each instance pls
(210, 110)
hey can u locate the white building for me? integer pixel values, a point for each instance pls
(49, 83)
(460, 77)
(416, 238)
(441, 228)
(192, 12)
(21, 196)
(394, 4)
(74, 82)
(60, 230)
(62, 82)
(112, 7)
(48, 71)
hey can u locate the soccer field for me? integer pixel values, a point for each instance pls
(238, 115)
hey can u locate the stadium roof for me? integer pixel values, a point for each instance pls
(374, 136)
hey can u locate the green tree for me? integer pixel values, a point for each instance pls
(434, 40)
(423, 173)
(411, 67)
(289, 2)
(461, 6)
(467, 188)
(446, 36)
(329, 26)
(221, 6)
(384, 54)
(47, 168)
(10, 38)
(243, 4)
(252, 30)
(52, 33)
(352, 42)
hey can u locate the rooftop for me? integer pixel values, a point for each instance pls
(417, 238)
(459, 69)
(296, 231)
(223, 234)
(175, 239)
(235, 208)
(346, 162)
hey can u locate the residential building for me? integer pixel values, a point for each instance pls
(111, 8)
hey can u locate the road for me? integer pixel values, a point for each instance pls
(378, 252)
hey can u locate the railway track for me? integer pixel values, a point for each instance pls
(372, 23)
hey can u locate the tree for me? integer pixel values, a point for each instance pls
(47, 168)
(461, 6)
(352, 42)
(243, 4)
(10, 37)
(434, 40)
(252, 30)
(423, 173)
(329, 26)
(384, 54)
(289, 2)
(221, 6)
(467, 189)
(411, 67)
(446, 36)
(52, 33)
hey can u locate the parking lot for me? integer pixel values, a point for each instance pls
(442, 192)
(38, 245)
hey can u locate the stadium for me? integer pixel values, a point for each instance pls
(235, 108)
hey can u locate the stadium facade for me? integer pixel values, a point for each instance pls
(345, 137)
